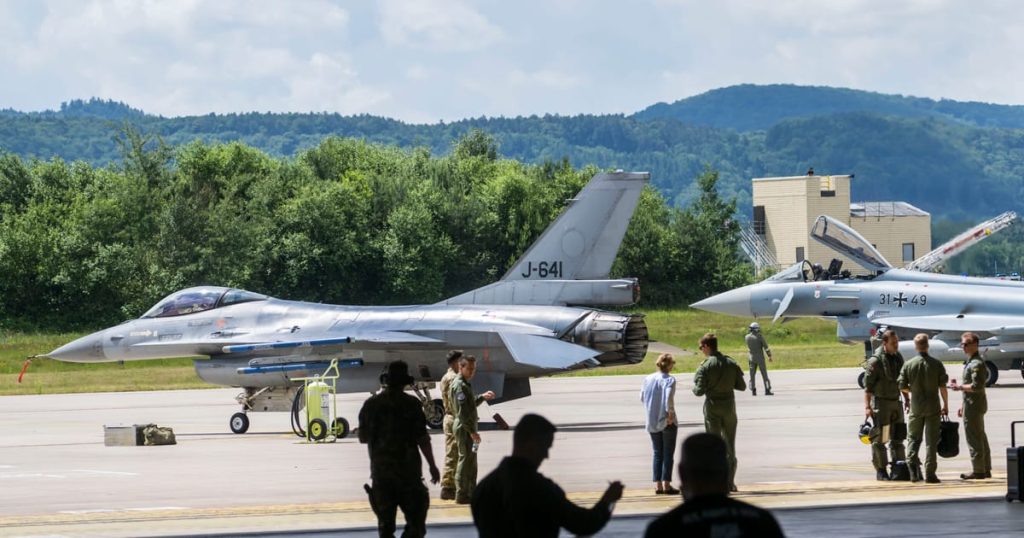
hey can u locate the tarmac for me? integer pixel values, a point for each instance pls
(796, 450)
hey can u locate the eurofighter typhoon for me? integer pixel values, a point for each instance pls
(539, 319)
(943, 306)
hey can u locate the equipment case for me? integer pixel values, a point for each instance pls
(1014, 467)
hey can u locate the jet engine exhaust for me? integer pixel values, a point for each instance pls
(622, 338)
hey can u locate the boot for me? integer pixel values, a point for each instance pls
(915, 473)
(881, 475)
(768, 392)
(753, 391)
(932, 479)
(447, 494)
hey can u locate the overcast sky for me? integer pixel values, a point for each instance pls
(428, 60)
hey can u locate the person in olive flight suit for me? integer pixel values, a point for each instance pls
(922, 379)
(757, 347)
(716, 379)
(393, 426)
(882, 404)
(974, 406)
(451, 446)
(465, 426)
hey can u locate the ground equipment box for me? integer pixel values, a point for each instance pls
(1014, 467)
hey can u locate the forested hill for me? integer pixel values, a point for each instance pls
(955, 160)
(748, 107)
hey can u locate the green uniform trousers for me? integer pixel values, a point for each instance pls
(451, 454)
(720, 418)
(977, 441)
(465, 472)
(927, 428)
(887, 413)
(411, 496)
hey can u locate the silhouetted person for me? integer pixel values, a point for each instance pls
(707, 509)
(516, 500)
(393, 426)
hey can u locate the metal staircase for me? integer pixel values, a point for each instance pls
(755, 247)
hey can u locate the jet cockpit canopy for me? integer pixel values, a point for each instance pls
(798, 272)
(846, 241)
(199, 299)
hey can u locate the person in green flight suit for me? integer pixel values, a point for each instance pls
(974, 407)
(882, 403)
(922, 379)
(716, 379)
(393, 426)
(451, 445)
(465, 427)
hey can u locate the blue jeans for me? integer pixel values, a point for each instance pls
(664, 443)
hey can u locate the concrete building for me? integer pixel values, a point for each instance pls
(785, 209)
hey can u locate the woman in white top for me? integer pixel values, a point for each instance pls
(658, 395)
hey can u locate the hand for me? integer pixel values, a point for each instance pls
(489, 395)
(613, 493)
(960, 412)
(769, 357)
(868, 413)
(945, 410)
(435, 474)
(475, 437)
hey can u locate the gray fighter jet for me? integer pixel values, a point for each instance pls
(943, 306)
(540, 318)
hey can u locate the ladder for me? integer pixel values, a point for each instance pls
(756, 248)
(961, 242)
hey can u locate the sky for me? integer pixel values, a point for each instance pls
(424, 61)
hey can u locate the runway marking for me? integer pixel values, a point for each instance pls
(30, 475)
(120, 473)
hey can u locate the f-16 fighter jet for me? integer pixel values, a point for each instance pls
(943, 306)
(540, 318)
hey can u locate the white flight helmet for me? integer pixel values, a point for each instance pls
(755, 326)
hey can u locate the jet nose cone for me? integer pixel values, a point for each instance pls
(733, 302)
(85, 349)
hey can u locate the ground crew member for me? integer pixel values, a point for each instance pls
(451, 447)
(922, 379)
(707, 509)
(973, 409)
(882, 403)
(392, 424)
(465, 425)
(716, 379)
(758, 348)
(516, 500)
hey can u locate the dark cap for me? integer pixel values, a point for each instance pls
(398, 374)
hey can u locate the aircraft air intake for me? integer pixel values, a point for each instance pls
(622, 338)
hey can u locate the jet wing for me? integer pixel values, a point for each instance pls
(544, 351)
(991, 324)
(377, 338)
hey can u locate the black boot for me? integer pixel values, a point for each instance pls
(915, 473)
(753, 391)
(880, 474)
(932, 479)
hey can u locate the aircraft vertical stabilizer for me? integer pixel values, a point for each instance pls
(570, 262)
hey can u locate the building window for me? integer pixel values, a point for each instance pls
(760, 226)
(828, 187)
(799, 254)
(908, 252)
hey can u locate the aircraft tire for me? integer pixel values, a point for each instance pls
(239, 423)
(860, 379)
(993, 373)
(436, 421)
(317, 429)
(341, 428)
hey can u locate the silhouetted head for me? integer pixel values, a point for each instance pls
(532, 438)
(397, 374)
(453, 359)
(703, 466)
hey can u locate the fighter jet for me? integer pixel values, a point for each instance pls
(540, 318)
(942, 306)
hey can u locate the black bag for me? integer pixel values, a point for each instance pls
(1014, 467)
(899, 471)
(949, 438)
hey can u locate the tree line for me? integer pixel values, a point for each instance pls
(345, 221)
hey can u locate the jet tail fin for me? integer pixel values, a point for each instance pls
(580, 245)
